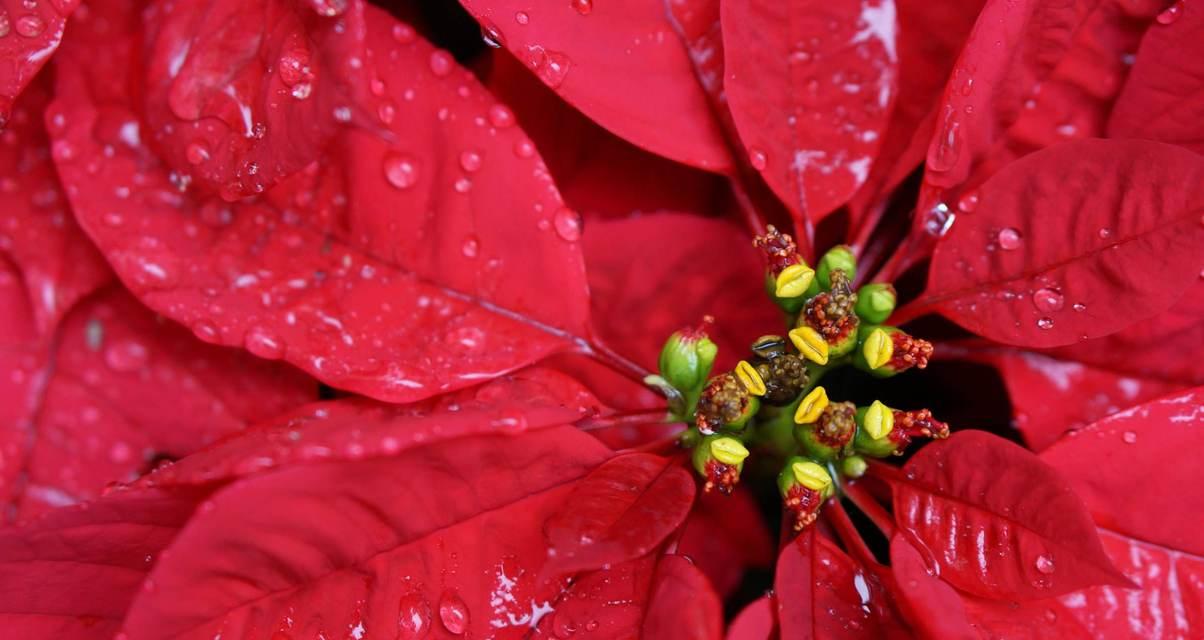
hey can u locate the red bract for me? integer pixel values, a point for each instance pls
(323, 274)
(29, 34)
(618, 63)
(810, 87)
(228, 87)
(574, 399)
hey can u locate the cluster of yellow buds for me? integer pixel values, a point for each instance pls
(772, 400)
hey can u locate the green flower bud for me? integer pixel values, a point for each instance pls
(840, 258)
(853, 467)
(804, 485)
(882, 431)
(886, 351)
(875, 302)
(725, 405)
(830, 435)
(687, 358)
(830, 314)
(788, 279)
(719, 459)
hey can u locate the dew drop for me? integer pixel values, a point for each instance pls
(302, 90)
(939, 220)
(943, 155)
(491, 35)
(264, 343)
(120, 453)
(1044, 323)
(400, 170)
(470, 161)
(1104, 234)
(1009, 239)
(524, 148)
(112, 219)
(1047, 300)
(968, 202)
(1172, 13)
(125, 356)
(453, 613)
(1129, 437)
(197, 153)
(1045, 564)
(404, 33)
(413, 617)
(501, 116)
(30, 26)
(471, 247)
(329, 8)
(463, 185)
(386, 112)
(758, 159)
(522, 18)
(1079, 306)
(207, 332)
(584, 7)
(551, 66)
(568, 224)
(441, 63)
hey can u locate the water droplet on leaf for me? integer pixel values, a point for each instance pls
(264, 343)
(413, 617)
(1045, 564)
(1047, 300)
(453, 613)
(1009, 239)
(1129, 437)
(400, 170)
(1044, 323)
(568, 224)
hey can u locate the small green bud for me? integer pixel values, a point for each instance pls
(725, 404)
(719, 459)
(905, 426)
(830, 435)
(839, 257)
(804, 484)
(687, 358)
(875, 302)
(853, 467)
(885, 351)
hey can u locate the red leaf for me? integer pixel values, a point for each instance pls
(635, 599)
(1169, 604)
(619, 512)
(698, 267)
(1051, 397)
(619, 64)
(1162, 99)
(114, 389)
(29, 34)
(725, 536)
(811, 88)
(73, 574)
(357, 428)
(447, 535)
(821, 593)
(56, 261)
(754, 622)
(930, 38)
(1163, 347)
(600, 174)
(999, 522)
(928, 604)
(682, 605)
(241, 94)
(1110, 465)
(1062, 235)
(384, 272)
(1032, 74)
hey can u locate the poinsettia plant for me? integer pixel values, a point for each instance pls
(601, 319)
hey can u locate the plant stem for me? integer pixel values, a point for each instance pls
(870, 507)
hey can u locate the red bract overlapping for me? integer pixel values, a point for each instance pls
(301, 337)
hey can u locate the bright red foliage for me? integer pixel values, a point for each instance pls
(300, 336)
